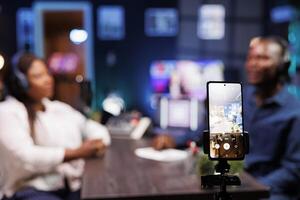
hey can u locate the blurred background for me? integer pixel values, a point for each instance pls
(117, 55)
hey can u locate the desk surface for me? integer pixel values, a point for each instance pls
(121, 174)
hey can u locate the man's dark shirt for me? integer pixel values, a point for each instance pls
(274, 134)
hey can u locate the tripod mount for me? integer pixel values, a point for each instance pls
(222, 167)
(221, 180)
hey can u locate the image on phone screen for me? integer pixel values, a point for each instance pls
(225, 116)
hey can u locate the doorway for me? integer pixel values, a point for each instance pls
(63, 37)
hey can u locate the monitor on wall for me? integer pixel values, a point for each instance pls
(161, 22)
(111, 22)
(184, 78)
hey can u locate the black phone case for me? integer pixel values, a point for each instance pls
(207, 135)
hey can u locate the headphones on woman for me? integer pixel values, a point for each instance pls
(16, 81)
(19, 77)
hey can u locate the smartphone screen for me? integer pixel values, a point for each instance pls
(225, 120)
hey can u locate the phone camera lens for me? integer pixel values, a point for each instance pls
(224, 84)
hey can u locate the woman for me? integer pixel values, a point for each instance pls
(42, 142)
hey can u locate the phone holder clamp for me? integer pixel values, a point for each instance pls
(222, 167)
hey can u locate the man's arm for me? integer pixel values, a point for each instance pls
(287, 177)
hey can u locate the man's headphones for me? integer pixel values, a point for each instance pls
(18, 77)
(285, 55)
(286, 62)
(284, 47)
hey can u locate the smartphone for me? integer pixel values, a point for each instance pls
(225, 120)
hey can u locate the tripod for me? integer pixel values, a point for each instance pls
(221, 180)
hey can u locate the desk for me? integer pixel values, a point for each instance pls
(121, 174)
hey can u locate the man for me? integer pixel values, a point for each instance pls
(272, 118)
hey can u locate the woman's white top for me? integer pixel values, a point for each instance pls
(39, 164)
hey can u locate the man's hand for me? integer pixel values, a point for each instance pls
(163, 142)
